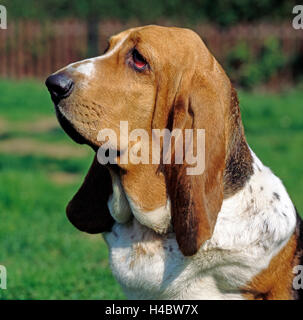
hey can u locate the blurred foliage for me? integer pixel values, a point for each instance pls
(223, 13)
(248, 70)
(245, 67)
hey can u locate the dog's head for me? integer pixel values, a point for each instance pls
(153, 78)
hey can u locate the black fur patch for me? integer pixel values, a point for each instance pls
(298, 294)
(276, 196)
(239, 161)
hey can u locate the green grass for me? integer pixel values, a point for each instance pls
(24, 100)
(274, 130)
(46, 257)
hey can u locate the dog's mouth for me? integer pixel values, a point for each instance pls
(71, 131)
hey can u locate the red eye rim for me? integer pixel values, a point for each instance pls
(138, 60)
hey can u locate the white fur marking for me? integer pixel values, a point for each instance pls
(86, 69)
(251, 228)
(117, 202)
(87, 66)
(158, 219)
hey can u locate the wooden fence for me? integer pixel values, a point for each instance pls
(35, 49)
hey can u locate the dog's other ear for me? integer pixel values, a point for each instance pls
(196, 199)
(88, 209)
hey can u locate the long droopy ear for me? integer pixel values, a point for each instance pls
(88, 209)
(197, 199)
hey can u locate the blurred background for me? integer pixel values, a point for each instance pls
(41, 168)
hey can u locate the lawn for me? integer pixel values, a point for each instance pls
(41, 168)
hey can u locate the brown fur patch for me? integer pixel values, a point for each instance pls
(197, 199)
(139, 251)
(275, 283)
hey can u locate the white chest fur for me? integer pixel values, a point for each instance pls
(252, 226)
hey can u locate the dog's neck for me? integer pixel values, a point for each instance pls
(244, 241)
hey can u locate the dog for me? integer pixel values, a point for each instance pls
(231, 232)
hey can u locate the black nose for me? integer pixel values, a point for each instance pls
(60, 86)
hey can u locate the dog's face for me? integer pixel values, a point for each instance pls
(125, 82)
(119, 85)
(154, 78)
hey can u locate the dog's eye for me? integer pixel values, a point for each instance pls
(139, 62)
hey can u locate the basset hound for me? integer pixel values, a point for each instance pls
(231, 232)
